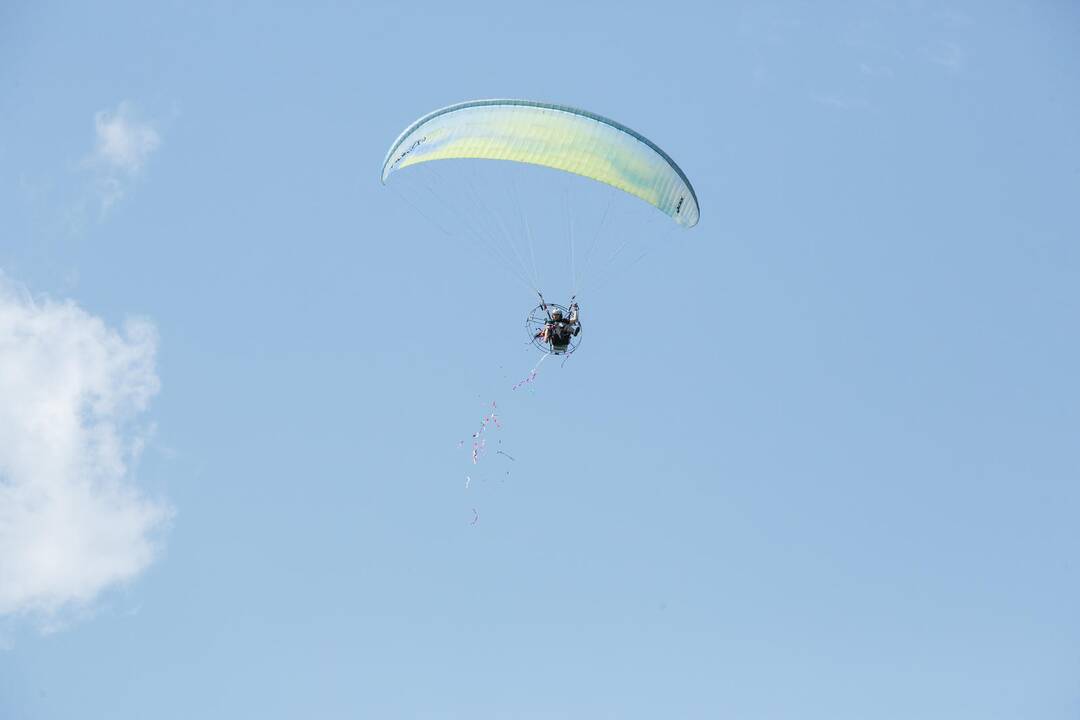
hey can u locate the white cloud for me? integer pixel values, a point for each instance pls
(123, 146)
(950, 55)
(72, 521)
(839, 102)
(872, 70)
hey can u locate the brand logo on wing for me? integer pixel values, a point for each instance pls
(408, 150)
(678, 207)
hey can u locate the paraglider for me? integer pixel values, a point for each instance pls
(526, 133)
(555, 329)
(558, 330)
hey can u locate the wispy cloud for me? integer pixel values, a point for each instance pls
(768, 22)
(72, 520)
(872, 70)
(123, 145)
(838, 101)
(948, 54)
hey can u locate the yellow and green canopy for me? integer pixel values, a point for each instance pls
(554, 136)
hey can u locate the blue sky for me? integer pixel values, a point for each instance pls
(839, 479)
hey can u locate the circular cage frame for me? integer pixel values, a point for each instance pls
(535, 322)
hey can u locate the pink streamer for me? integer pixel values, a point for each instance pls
(479, 442)
(526, 381)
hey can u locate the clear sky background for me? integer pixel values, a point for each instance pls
(838, 480)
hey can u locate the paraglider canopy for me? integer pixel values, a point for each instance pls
(555, 136)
